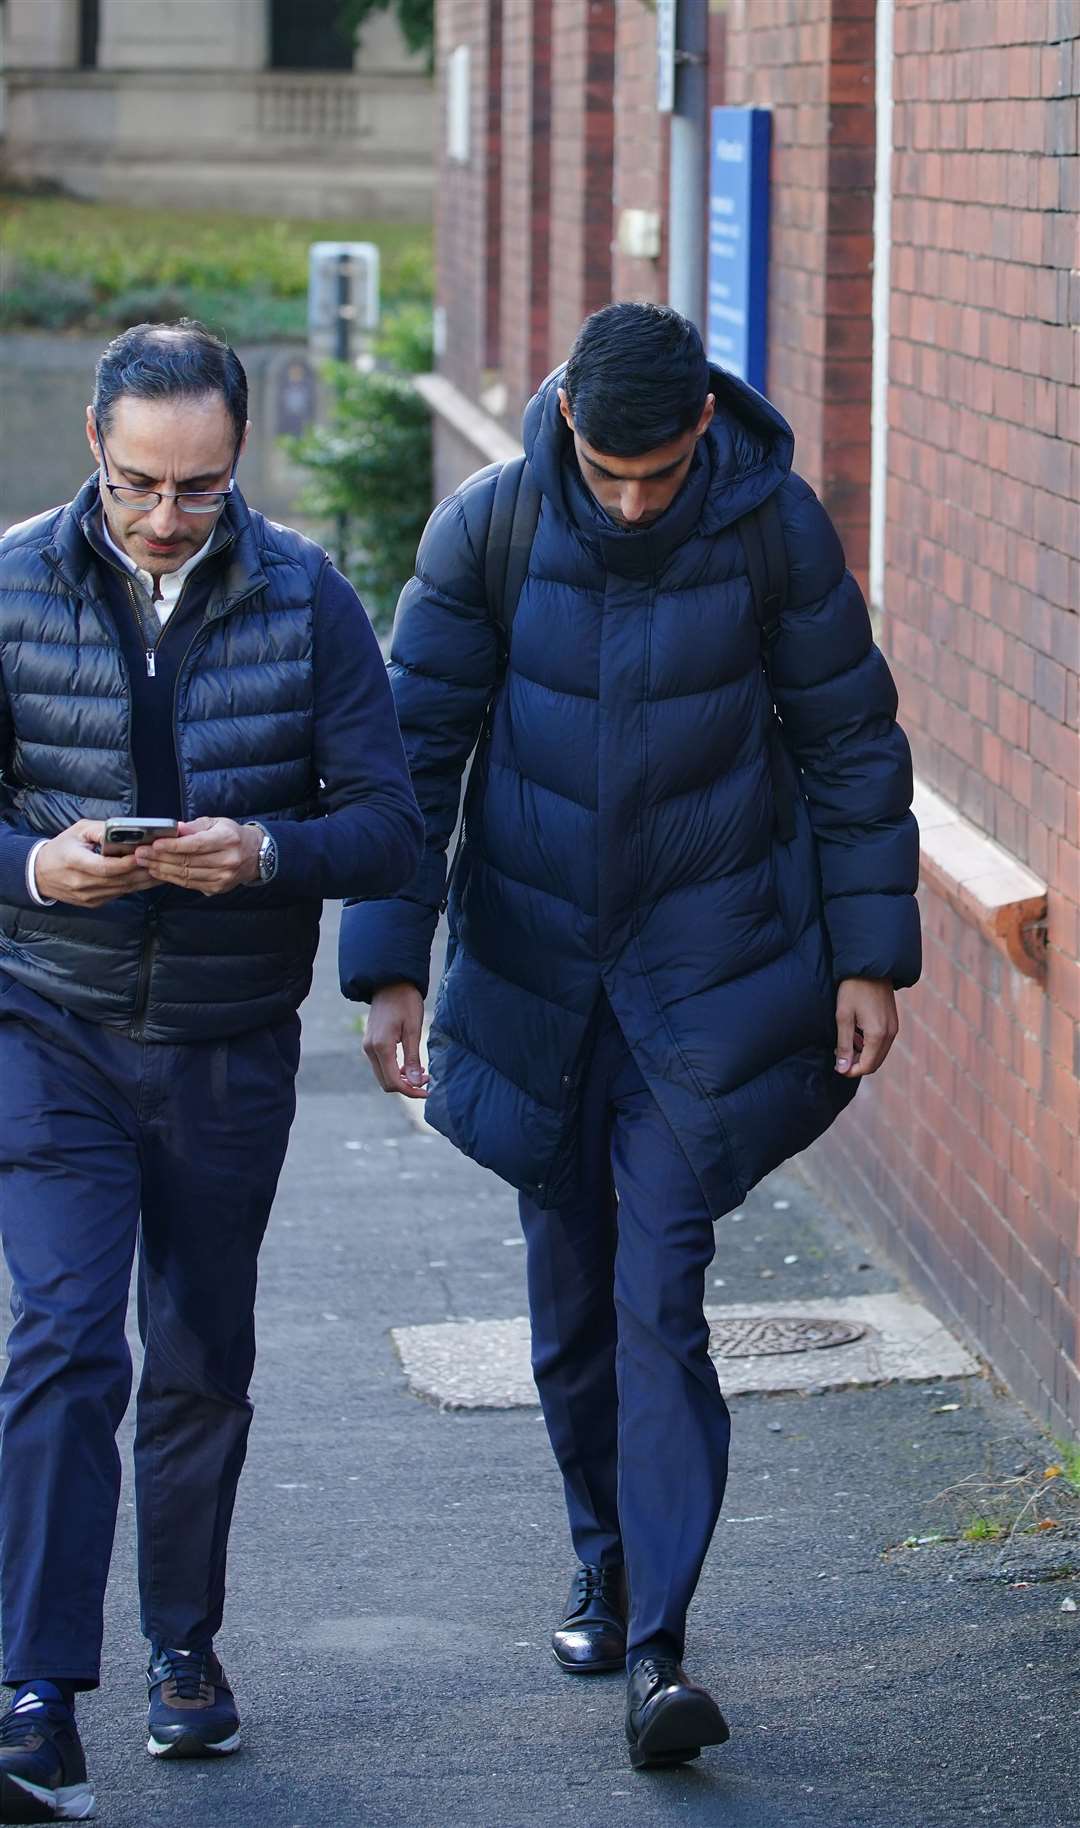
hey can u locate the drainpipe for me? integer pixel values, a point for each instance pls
(879, 385)
(689, 162)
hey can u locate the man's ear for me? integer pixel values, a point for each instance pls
(708, 412)
(244, 441)
(91, 434)
(564, 407)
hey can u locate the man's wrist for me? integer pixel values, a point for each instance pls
(264, 853)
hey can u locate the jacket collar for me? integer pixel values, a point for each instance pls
(623, 551)
(73, 557)
(745, 454)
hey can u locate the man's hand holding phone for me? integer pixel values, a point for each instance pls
(211, 856)
(70, 868)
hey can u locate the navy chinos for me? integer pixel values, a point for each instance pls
(108, 1143)
(620, 1349)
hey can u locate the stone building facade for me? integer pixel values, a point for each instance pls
(237, 104)
(923, 303)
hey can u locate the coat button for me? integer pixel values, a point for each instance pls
(565, 1080)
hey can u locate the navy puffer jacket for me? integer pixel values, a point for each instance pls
(621, 830)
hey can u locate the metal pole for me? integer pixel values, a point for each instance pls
(342, 350)
(689, 162)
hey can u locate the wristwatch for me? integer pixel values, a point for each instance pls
(267, 853)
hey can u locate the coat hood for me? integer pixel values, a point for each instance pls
(745, 454)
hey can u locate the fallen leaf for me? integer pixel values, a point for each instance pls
(1053, 1472)
(1068, 1605)
(1047, 1523)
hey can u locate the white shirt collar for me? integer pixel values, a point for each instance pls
(171, 583)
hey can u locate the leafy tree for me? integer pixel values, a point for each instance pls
(371, 463)
(415, 17)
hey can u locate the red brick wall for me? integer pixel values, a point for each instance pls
(525, 337)
(463, 194)
(965, 1152)
(582, 145)
(641, 148)
(812, 63)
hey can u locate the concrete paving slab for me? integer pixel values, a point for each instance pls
(484, 1364)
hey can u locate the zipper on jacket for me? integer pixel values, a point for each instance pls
(150, 931)
(151, 651)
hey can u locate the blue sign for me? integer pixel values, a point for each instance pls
(739, 241)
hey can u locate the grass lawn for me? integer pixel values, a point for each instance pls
(66, 264)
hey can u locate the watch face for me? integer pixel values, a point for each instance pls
(267, 858)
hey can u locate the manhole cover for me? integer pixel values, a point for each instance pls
(762, 1338)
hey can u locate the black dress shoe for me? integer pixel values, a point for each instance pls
(592, 1636)
(668, 1717)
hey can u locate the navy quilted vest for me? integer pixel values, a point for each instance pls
(170, 965)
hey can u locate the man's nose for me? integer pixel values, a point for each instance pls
(632, 501)
(164, 520)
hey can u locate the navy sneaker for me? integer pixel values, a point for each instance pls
(192, 1713)
(42, 1768)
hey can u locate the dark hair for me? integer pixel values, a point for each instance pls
(637, 378)
(181, 361)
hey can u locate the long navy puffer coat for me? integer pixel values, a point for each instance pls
(621, 831)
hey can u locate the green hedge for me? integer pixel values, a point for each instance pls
(372, 462)
(65, 264)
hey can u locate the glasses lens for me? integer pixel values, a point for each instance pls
(134, 498)
(204, 503)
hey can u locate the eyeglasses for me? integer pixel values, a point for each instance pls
(188, 501)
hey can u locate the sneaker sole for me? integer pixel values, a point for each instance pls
(189, 1745)
(25, 1802)
(677, 1731)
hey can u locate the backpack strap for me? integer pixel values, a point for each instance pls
(515, 510)
(506, 542)
(762, 535)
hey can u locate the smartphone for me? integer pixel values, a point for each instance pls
(122, 836)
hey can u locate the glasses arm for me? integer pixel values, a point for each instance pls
(104, 452)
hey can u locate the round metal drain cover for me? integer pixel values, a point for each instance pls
(762, 1338)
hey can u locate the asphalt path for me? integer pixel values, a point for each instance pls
(395, 1571)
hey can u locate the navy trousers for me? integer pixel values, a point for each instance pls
(620, 1350)
(106, 1142)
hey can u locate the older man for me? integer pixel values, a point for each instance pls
(166, 654)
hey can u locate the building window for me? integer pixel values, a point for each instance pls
(309, 35)
(89, 31)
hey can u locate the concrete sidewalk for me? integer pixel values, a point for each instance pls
(397, 1567)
